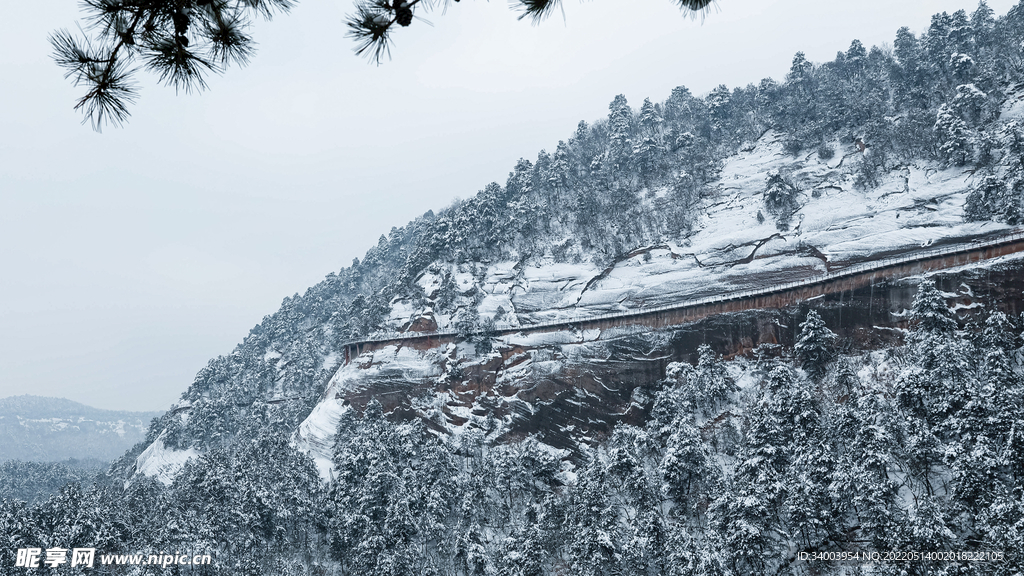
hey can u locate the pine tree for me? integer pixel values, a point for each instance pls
(969, 101)
(520, 555)
(815, 347)
(620, 131)
(983, 26)
(17, 530)
(650, 119)
(930, 314)
(778, 426)
(592, 529)
(719, 105)
(702, 389)
(925, 525)
(954, 137)
(687, 467)
(745, 519)
(636, 494)
(699, 553)
(909, 76)
(938, 393)
(868, 442)
(856, 57)
(780, 198)
(470, 554)
(813, 511)
(915, 397)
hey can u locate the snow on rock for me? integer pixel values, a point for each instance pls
(315, 435)
(161, 462)
(330, 361)
(1013, 108)
(430, 283)
(729, 249)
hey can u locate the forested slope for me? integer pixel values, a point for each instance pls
(933, 107)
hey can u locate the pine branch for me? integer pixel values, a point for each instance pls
(694, 5)
(536, 10)
(370, 28)
(180, 40)
(227, 41)
(184, 40)
(110, 87)
(177, 65)
(266, 7)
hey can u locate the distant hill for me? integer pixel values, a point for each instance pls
(40, 429)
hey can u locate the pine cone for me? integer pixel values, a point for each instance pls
(403, 16)
(180, 23)
(403, 13)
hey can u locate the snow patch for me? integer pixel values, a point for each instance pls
(161, 462)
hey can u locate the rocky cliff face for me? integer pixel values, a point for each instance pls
(571, 387)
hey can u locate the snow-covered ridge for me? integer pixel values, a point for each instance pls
(734, 247)
(40, 429)
(77, 423)
(914, 212)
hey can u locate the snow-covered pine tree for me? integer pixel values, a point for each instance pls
(867, 439)
(815, 346)
(780, 198)
(690, 475)
(712, 378)
(936, 388)
(989, 200)
(593, 538)
(930, 314)
(620, 132)
(954, 136)
(649, 150)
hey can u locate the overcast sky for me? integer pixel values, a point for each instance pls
(130, 258)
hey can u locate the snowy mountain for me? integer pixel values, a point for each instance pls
(878, 415)
(39, 429)
(692, 197)
(834, 220)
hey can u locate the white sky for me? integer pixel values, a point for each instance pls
(130, 258)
